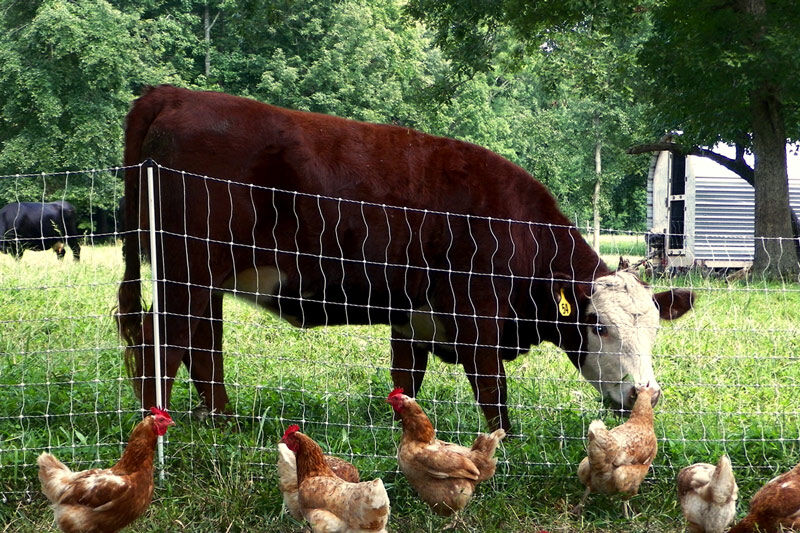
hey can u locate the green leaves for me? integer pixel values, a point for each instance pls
(63, 75)
(705, 58)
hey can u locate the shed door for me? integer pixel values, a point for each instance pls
(677, 202)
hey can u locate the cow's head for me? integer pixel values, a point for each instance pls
(608, 328)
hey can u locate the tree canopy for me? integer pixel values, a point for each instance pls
(715, 71)
(561, 88)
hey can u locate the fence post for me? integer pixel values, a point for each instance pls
(150, 165)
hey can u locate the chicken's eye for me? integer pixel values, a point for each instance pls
(601, 330)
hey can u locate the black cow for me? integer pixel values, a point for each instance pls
(39, 226)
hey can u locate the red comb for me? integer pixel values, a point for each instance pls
(294, 428)
(160, 412)
(396, 392)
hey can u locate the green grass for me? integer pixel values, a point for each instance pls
(630, 246)
(729, 370)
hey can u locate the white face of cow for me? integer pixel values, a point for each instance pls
(620, 324)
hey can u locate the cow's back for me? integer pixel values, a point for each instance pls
(33, 219)
(230, 137)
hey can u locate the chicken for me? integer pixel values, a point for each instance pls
(708, 496)
(105, 500)
(443, 474)
(329, 503)
(775, 507)
(287, 474)
(618, 459)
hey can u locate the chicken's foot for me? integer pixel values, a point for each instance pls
(578, 509)
(455, 523)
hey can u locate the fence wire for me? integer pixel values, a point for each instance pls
(728, 369)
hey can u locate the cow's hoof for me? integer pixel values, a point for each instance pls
(201, 413)
(226, 420)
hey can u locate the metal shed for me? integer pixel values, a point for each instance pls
(701, 214)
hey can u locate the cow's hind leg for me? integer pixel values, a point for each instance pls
(409, 362)
(487, 376)
(203, 358)
(76, 249)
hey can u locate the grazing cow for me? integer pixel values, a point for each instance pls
(38, 226)
(324, 220)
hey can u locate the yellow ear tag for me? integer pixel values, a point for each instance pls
(563, 305)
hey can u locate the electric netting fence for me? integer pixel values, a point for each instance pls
(728, 370)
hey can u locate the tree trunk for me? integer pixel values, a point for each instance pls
(775, 249)
(598, 169)
(776, 255)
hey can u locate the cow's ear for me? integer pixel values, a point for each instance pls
(674, 303)
(569, 295)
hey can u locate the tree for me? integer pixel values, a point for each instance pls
(586, 58)
(723, 71)
(69, 70)
(717, 70)
(64, 86)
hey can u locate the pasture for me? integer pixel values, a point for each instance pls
(729, 371)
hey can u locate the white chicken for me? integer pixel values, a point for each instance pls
(708, 496)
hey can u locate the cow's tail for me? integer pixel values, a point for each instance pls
(129, 311)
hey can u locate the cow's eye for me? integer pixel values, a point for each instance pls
(601, 330)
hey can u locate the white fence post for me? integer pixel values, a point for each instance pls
(156, 325)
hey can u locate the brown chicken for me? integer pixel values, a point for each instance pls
(287, 474)
(775, 507)
(618, 459)
(329, 503)
(105, 500)
(708, 496)
(443, 474)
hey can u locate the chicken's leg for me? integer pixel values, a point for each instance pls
(578, 509)
(626, 508)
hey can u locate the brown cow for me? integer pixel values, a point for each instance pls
(324, 220)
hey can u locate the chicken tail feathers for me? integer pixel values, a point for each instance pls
(49, 462)
(487, 444)
(376, 508)
(51, 475)
(482, 453)
(723, 484)
(594, 427)
(627, 478)
(287, 464)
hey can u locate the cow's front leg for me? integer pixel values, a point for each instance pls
(409, 362)
(203, 358)
(487, 376)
